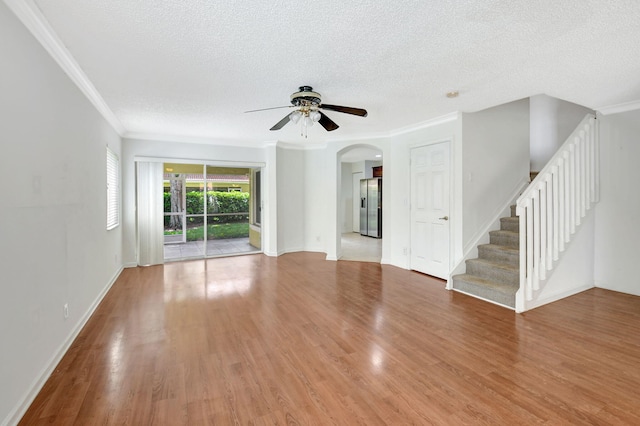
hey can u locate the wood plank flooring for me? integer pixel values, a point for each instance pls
(299, 340)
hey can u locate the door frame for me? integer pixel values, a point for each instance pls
(355, 204)
(454, 220)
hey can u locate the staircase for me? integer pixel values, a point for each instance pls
(513, 271)
(495, 274)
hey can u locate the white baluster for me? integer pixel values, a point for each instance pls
(583, 174)
(536, 239)
(542, 259)
(557, 229)
(589, 166)
(572, 190)
(596, 123)
(578, 181)
(562, 203)
(550, 222)
(522, 216)
(529, 286)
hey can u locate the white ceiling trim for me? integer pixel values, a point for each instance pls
(302, 147)
(400, 131)
(294, 145)
(193, 139)
(426, 124)
(30, 15)
(615, 109)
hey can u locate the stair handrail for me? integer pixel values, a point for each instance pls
(554, 204)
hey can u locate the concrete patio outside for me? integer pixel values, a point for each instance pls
(214, 248)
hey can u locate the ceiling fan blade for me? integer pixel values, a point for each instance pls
(280, 124)
(347, 110)
(327, 123)
(267, 109)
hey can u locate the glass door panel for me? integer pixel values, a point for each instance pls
(196, 231)
(228, 211)
(174, 202)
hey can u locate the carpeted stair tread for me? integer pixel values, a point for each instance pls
(503, 232)
(513, 250)
(494, 271)
(499, 253)
(493, 264)
(501, 293)
(510, 224)
(505, 238)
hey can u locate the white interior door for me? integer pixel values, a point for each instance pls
(356, 199)
(430, 209)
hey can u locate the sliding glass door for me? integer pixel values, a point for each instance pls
(206, 211)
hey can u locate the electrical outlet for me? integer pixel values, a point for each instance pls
(404, 251)
(65, 310)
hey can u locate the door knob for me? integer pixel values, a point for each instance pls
(444, 218)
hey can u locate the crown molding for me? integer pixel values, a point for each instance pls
(618, 108)
(426, 124)
(301, 146)
(158, 137)
(31, 17)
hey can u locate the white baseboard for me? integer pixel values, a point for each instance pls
(537, 303)
(482, 298)
(16, 414)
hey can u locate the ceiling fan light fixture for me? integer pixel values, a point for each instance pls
(295, 116)
(307, 103)
(315, 116)
(308, 121)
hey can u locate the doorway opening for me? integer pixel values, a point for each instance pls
(210, 211)
(361, 204)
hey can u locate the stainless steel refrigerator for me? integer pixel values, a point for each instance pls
(371, 207)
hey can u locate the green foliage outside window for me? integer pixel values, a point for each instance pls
(217, 202)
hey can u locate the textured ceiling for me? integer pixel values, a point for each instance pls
(191, 68)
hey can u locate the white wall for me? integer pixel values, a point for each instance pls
(368, 168)
(552, 120)
(291, 199)
(346, 204)
(218, 154)
(617, 214)
(54, 242)
(495, 162)
(316, 200)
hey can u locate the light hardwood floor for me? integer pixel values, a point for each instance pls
(300, 340)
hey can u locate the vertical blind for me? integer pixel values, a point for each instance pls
(113, 190)
(149, 208)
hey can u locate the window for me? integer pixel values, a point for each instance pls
(113, 190)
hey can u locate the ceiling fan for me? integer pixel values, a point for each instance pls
(308, 105)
